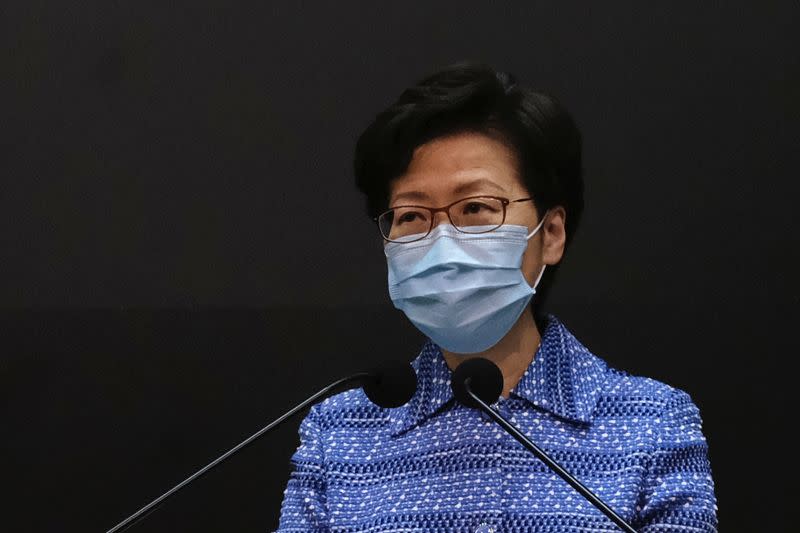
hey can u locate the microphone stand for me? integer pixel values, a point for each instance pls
(141, 513)
(554, 466)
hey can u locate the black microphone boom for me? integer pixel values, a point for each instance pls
(478, 382)
(389, 386)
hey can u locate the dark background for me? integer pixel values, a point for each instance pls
(184, 255)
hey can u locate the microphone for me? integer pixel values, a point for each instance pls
(479, 382)
(390, 385)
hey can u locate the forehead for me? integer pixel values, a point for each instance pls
(464, 163)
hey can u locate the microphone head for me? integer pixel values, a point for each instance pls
(391, 385)
(486, 381)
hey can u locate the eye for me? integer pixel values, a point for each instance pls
(406, 217)
(473, 208)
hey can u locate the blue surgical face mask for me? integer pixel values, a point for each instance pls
(463, 290)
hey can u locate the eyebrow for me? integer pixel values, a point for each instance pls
(473, 185)
(477, 184)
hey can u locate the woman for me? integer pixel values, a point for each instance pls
(476, 186)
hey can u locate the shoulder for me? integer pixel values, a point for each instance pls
(350, 408)
(624, 385)
(612, 384)
(644, 396)
(568, 367)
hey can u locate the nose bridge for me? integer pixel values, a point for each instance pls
(440, 216)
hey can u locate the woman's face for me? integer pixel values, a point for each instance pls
(450, 168)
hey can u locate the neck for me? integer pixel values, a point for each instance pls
(513, 354)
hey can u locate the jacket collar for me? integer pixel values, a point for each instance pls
(564, 379)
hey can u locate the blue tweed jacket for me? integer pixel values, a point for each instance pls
(435, 465)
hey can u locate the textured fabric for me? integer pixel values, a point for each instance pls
(435, 465)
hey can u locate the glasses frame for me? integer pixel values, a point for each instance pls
(446, 208)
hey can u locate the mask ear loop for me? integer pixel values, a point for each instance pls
(539, 278)
(531, 234)
(538, 226)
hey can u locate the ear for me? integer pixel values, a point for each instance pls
(554, 235)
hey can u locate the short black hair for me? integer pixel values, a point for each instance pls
(473, 97)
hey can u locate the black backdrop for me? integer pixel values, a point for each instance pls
(184, 254)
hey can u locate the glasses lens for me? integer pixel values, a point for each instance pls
(405, 224)
(477, 215)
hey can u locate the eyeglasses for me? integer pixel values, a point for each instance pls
(476, 214)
